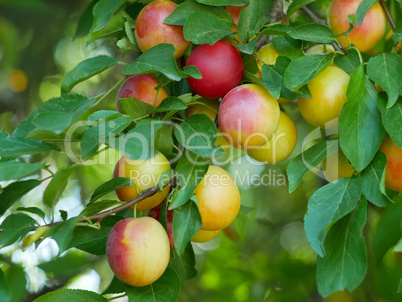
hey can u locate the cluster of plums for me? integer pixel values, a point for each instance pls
(249, 118)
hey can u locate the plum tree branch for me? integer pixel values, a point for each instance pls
(388, 14)
(319, 21)
(144, 194)
(275, 13)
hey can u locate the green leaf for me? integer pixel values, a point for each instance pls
(134, 107)
(373, 179)
(115, 287)
(181, 13)
(92, 138)
(55, 115)
(85, 22)
(14, 191)
(307, 160)
(17, 282)
(57, 186)
(362, 10)
(327, 205)
(247, 48)
(360, 129)
(14, 227)
(170, 104)
(399, 290)
(272, 80)
(348, 62)
(289, 47)
(139, 142)
(205, 28)
(69, 295)
(93, 240)
(184, 265)
(85, 70)
(14, 146)
(191, 71)
(11, 170)
(186, 223)
(250, 64)
(5, 292)
(164, 139)
(397, 35)
(385, 70)
(32, 210)
(391, 118)
(198, 134)
(100, 206)
(69, 265)
(159, 58)
(62, 233)
(224, 2)
(190, 170)
(103, 11)
(388, 230)
(114, 29)
(166, 288)
(345, 263)
(311, 32)
(280, 67)
(103, 115)
(110, 186)
(296, 5)
(302, 70)
(250, 20)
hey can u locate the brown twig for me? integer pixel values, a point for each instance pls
(388, 15)
(100, 216)
(319, 21)
(275, 13)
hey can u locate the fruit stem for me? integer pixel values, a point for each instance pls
(388, 15)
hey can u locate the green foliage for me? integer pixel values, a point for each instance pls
(166, 288)
(360, 128)
(186, 223)
(345, 264)
(267, 254)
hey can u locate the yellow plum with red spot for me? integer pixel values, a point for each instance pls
(328, 95)
(218, 199)
(145, 174)
(204, 236)
(280, 146)
(138, 250)
(151, 31)
(393, 170)
(249, 114)
(364, 37)
(142, 87)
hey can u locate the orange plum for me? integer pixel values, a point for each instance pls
(280, 146)
(393, 171)
(204, 236)
(328, 92)
(151, 31)
(138, 250)
(249, 115)
(145, 174)
(142, 87)
(218, 199)
(364, 37)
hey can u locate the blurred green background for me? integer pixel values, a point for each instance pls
(264, 256)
